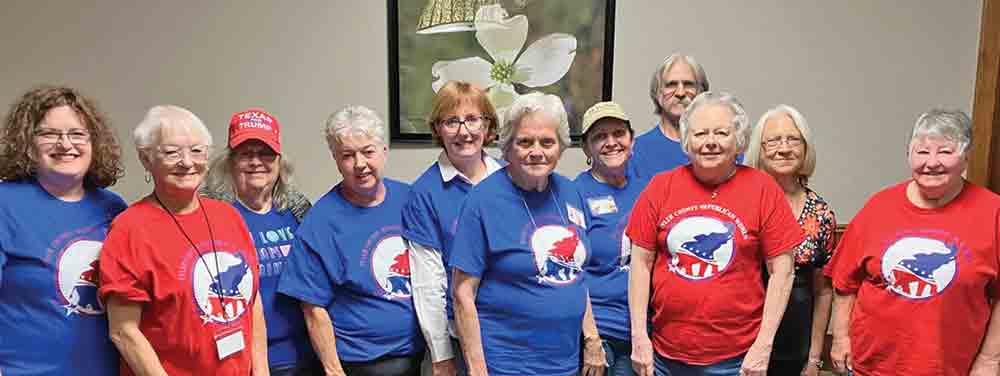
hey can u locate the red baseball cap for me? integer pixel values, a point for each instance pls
(255, 124)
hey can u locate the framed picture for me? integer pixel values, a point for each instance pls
(507, 47)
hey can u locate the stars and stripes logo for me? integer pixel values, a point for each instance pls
(919, 268)
(391, 268)
(700, 247)
(223, 286)
(559, 254)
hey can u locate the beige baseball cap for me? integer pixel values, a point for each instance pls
(602, 110)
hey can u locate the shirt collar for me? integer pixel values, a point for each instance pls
(449, 172)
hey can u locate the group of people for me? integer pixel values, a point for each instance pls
(696, 248)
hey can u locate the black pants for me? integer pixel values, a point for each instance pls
(791, 343)
(386, 366)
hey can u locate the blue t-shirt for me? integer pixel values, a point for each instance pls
(653, 153)
(431, 216)
(352, 261)
(51, 320)
(607, 272)
(528, 249)
(287, 339)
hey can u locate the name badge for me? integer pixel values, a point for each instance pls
(575, 216)
(229, 342)
(602, 205)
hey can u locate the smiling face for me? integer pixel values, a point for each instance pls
(254, 167)
(936, 164)
(678, 87)
(711, 140)
(463, 142)
(534, 149)
(783, 146)
(360, 160)
(609, 144)
(59, 157)
(179, 161)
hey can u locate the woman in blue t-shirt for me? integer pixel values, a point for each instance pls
(609, 190)
(349, 266)
(521, 305)
(58, 153)
(255, 177)
(462, 121)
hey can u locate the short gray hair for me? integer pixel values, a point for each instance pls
(355, 120)
(953, 125)
(147, 133)
(655, 80)
(719, 98)
(755, 156)
(535, 102)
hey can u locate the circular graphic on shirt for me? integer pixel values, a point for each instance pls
(919, 268)
(76, 277)
(700, 247)
(559, 254)
(625, 257)
(391, 267)
(223, 293)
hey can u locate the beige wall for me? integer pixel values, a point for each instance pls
(859, 70)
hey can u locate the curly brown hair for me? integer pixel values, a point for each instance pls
(451, 96)
(17, 146)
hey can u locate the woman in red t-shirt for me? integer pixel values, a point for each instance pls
(916, 272)
(701, 232)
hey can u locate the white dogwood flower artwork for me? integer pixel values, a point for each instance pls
(543, 63)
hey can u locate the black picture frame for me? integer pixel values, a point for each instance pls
(409, 135)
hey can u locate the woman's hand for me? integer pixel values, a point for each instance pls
(594, 359)
(756, 360)
(984, 367)
(444, 368)
(642, 356)
(811, 368)
(840, 354)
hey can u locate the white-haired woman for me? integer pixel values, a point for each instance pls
(521, 307)
(782, 146)
(253, 175)
(179, 273)
(700, 234)
(916, 273)
(349, 267)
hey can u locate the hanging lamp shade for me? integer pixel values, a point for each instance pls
(445, 16)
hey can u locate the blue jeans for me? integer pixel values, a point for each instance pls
(619, 354)
(386, 366)
(668, 367)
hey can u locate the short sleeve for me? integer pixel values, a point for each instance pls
(642, 223)
(308, 274)
(123, 265)
(469, 248)
(847, 266)
(420, 224)
(780, 232)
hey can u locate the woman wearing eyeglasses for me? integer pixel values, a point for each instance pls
(58, 153)
(781, 145)
(179, 272)
(462, 122)
(253, 175)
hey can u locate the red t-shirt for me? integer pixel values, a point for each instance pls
(710, 243)
(923, 279)
(186, 303)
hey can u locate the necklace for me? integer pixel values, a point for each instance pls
(555, 202)
(715, 190)
(216, 278)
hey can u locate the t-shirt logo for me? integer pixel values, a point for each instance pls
(919, 268)
(700, 247)
(625, 258)
(77, 278)
(223, 295)
(391, 268)
(559, 254)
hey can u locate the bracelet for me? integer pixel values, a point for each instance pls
(591, 338)
(816, 362)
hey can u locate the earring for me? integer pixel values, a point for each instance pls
(588, 161)
(148, 177)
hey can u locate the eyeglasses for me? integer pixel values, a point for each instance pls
(48, 136)
(791, 141)
(472, 123)
(173, 154)
(266, 155)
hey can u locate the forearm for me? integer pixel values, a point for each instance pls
(467, 321)
(823, 293)
(589, 323)
(137, 352)
(321, 334)
(640, 273)
(260, 366)
(990, 350)
(429, 285)
(779, 288)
